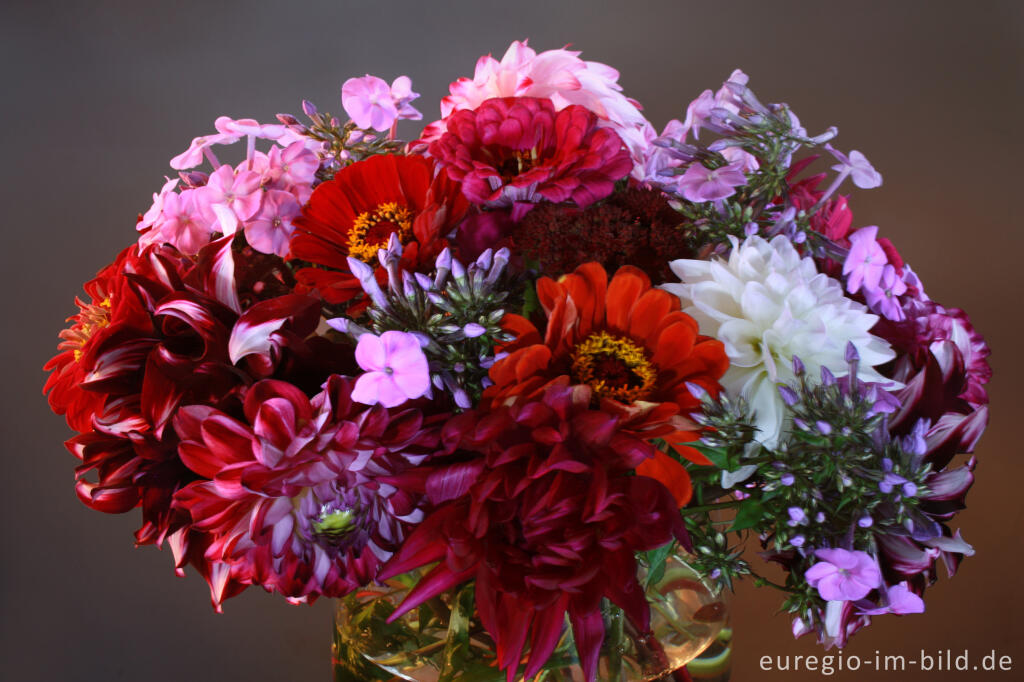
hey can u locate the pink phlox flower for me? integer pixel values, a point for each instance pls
(193, 156)
(899, 599)
(843, 575)
(857, 166)
(883, 299)
(369, 103)
(230, 197)
(182, 224)
(153, 214)
(699, 183)
(292, 169)
(230, 131)
(269, 230)
(395, 367)
(865, 261)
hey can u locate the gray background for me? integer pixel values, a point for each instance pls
(98, 95)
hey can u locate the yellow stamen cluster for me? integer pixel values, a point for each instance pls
(364, 248)
(600, 352)
(92, 317)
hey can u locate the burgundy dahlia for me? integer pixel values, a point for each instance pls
(537, 504)
(519, 149)
(161, 337)
(304, 497)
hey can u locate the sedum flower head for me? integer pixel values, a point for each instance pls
(767, 304)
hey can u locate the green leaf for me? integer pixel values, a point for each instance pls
(656, 559)
(748, 515)
(718, 456)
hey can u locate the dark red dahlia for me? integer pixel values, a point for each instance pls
(175, 334)
(519, 149)
(355, 213)
(537, 504)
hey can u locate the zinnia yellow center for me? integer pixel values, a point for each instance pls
(93, 316)
(613, 367)
(371, 230)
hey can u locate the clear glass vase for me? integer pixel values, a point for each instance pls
(443, 641)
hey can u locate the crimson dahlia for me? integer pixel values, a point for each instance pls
(537, 504)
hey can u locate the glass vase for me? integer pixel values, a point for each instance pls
(443, 640)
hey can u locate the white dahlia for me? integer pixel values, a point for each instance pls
(766, 304)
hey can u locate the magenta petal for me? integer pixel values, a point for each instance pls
(588, 630)
(547, 629)
(377, 387)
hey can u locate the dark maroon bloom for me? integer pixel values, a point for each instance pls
(519, 149)
(631, 227)
(304, 496)
(537, 504)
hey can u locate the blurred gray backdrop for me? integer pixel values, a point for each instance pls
(97, 96)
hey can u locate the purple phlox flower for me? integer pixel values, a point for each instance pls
(899, 599)
(700, 183)
(883, 299)
(698, 113)
(371, 103)
(857, 167)
(787, 479)
(746, 161)
(473, 330)
(843, 575)
(865, 261)
(731, 95)
(797, 540)
(819, 517)
(797, 516)
(395, 367)
(789, 396)
(270, 230)
(402, 94)
(865, 521)
(824, 427)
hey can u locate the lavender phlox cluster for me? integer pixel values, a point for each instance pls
(455, 312)
(854, 514)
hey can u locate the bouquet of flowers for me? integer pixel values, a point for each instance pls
(513, 370)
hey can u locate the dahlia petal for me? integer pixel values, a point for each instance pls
(454, 481)
(439, 579)
(547, 629)
(588, 631)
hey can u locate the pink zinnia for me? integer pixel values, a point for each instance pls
(519, 149)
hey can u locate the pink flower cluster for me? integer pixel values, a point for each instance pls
(261, 196)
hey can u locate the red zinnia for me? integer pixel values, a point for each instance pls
(356, 212)
(514, 149)
(631, 344)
